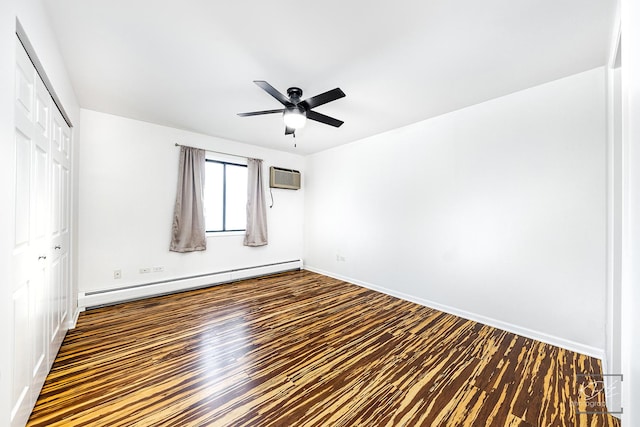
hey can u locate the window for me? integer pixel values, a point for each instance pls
(225, 196)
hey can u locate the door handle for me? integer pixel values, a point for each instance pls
(57, 247)
(42, 257)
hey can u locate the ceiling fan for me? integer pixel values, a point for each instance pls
(296, 111)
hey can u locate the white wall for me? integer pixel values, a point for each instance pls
(35, 22)
(7, 58)
(128, 176)
(630, 27)
(612, 362)
(496, 212)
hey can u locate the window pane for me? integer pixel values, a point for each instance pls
(236, 197)
(213, 195)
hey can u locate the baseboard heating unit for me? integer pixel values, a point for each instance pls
(113, 296)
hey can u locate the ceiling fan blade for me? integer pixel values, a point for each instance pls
(257, 113)
(323, 98)
(273, 92)
(289, 131)
(314, 115)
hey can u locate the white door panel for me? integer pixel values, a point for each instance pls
(24, 86)
(22, 200)
(42, 108)
(54, 300)
(20, 373)
(38, 329)
(23, 261)
(39, 241)
(56, 201)
(65, 209)
(40, 259)
(59, 216)
(40, 207)
(65, 289)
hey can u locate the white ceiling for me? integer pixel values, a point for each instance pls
(190, 64)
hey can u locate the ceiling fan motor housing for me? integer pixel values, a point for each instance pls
(295, 93)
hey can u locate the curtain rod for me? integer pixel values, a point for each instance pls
(213, 151)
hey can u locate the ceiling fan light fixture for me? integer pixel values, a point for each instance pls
(295, 118)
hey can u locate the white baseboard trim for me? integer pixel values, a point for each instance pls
(146, 290)
(74, 319)
(612, 388)
(509, 327)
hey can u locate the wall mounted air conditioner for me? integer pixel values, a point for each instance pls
(284, 178)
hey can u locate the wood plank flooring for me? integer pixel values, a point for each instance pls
(301, 349)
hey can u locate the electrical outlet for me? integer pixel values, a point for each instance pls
(145, 270)
(117, 274)
(158, 269)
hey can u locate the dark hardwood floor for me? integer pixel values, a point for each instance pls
(301, 349)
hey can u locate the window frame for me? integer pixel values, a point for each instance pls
(224, 231)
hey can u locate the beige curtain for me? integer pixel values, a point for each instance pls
(256, 234)
(189, 231)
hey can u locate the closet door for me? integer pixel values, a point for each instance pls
(40, 258)
(30, 273)
(60, 287)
